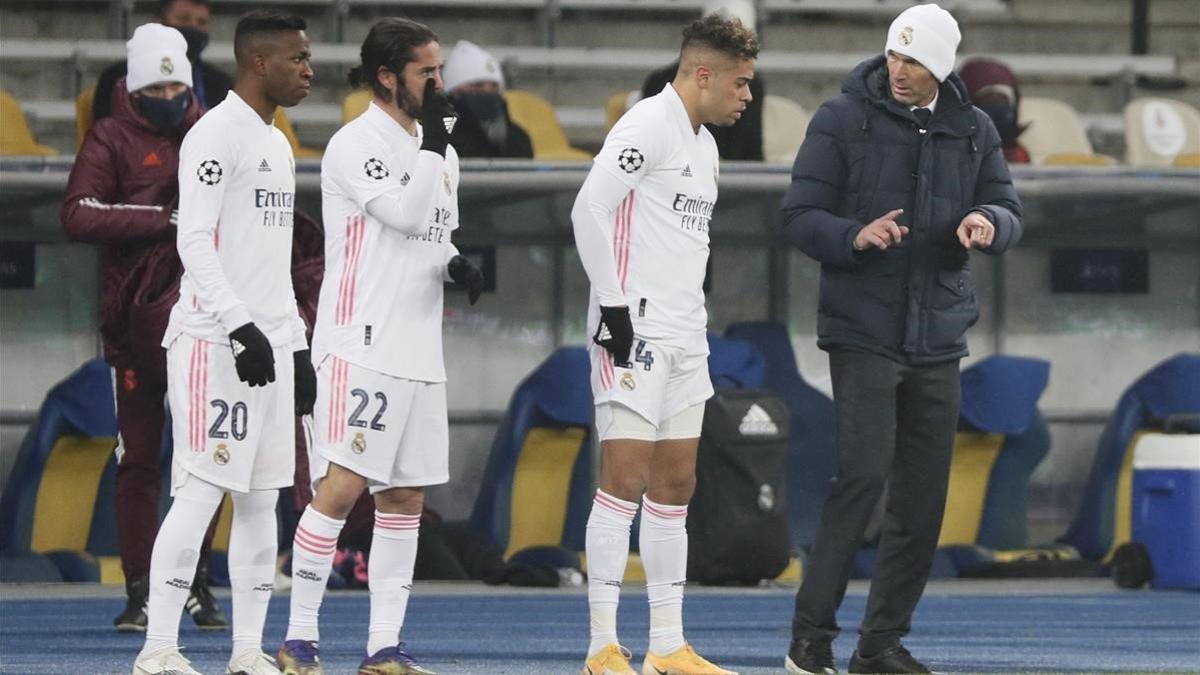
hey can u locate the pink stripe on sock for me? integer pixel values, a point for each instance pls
(612, 504)
(664, 511)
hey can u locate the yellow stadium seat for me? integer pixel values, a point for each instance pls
(15, 136)
(1056, 131)
(1159, 130)
(970, 470)
(355, 104)
(83, 115)
(285, 125)
(616, 106)
(1187, 161)
(536, 116)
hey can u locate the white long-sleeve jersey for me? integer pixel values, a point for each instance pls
(237, 184)
(641, 219)
(389, 210)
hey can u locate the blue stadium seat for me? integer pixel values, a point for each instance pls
(537, 486)
(812, 456)
(1103, 520)
(63, 472)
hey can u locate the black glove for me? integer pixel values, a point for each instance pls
(253, 356)
(465, 273)
(436, 115)
(306, 383)
(615, 333)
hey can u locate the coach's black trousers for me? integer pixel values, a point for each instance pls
(895, 425)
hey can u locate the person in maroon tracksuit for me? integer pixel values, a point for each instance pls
(122, 195)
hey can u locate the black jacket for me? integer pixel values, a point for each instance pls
(864, 155)
(215, 86)
(740, 141)
(470, 140)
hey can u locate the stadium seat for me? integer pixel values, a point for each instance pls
(355, 104)
(784, 125)
(83, 115)
(1056, 135)
(536, 116)
(1187, 161)
(812, 454)
(1103, 521)
(615, 106)
(15, 137)
(1159, 130)
(1002, 438)
(537, 487)
(62, 472)
(285, 125)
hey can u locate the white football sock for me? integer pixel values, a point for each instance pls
(313, 548)
(173, 560)
(390, 571)
(607, 545)
(663, 544)
(253, 545)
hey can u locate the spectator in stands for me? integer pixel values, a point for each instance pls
(899, 177)
(475, 86)
(122, 194)
(744, 140)
(189, 17)
(993, 89)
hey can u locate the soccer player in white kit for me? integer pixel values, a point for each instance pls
(389, 189)
(238, 363)
(641, 227)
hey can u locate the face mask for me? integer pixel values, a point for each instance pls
(483, 107)
(166, 114)
(488, 111)
(1004, 116)
(197, 40)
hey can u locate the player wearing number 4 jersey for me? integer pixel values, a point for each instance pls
(641, 226)
(389, 184)
(235, 344)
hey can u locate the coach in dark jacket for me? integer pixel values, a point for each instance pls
(898, 179)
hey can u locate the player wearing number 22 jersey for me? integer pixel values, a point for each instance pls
(389, 193)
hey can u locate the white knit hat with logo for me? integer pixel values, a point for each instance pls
(468, 63)
(928, 34)
(156, 54)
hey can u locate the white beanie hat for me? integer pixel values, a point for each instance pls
(156, 54)
(928, 34)
(470, 63)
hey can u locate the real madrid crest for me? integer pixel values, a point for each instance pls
(359, 444)
(221, 456)
(627, 382)
(446, 182)
(166, 67)
(906, 35)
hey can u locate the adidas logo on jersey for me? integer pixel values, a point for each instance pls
(264, 167)
(757, 422)
(687, 171)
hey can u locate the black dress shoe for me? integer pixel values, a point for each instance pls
(810, 657)
(891, 660)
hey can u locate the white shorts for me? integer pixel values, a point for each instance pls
(662, 380)
(390, 430)
(226, 432)
(615, 421)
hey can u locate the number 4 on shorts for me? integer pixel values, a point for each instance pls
(644, 356)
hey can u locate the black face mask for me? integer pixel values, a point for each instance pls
(483, 107)
(197, 40)
(1004, 116)
(166, 114)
